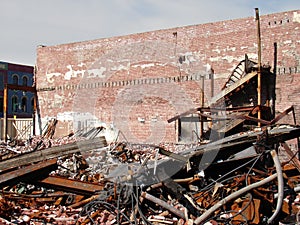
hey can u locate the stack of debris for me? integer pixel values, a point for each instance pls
(235, 180)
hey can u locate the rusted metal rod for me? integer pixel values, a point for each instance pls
(291, 155)
(259, 63)
(163, 204)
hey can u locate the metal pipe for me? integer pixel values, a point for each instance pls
(280, 185)
(234, 195)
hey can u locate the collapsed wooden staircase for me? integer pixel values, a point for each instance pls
(243, 73)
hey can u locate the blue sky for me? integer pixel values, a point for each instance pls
(27, 24)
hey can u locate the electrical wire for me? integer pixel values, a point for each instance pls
(143, 217)
(101, 203)
(220, 178)
(246, 179)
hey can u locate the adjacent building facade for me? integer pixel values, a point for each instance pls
(136, 82)
(16, 79)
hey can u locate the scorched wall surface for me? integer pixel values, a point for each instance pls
(136, 82)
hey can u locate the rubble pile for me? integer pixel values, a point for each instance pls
(246, 178)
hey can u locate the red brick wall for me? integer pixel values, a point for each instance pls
(140, 80)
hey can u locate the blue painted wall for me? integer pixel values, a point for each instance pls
(16, 109)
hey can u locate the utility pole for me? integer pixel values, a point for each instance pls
(259, 65)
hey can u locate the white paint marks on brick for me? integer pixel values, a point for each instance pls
(121, 67)
(230, 48)
(287, 42)
(215, 59)
(217, 51)
(49, 76)
(58, 101)
(229, 58)
(73, 73)
(296, 17)
(145, 65)
(92, 73)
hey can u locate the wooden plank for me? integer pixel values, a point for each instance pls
(48, 153)
(20, 173)
(71, 185)
(232, 87)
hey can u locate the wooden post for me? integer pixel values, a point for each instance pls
(34, 112)
(259, 64)
(212, 82)
(5, 102)
(202, 105)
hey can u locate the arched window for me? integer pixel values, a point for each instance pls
(32, 104)
(25, 81)
(24, 104)
(14, 104)
(15, 79)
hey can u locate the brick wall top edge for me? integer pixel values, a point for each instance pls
(264, 20)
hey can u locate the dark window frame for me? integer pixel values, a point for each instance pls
(25, 81)
(14, 103)
(15, 79)
(24, 101)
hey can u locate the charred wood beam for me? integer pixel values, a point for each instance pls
(251, 118)
(281, 115)
(227, 117)
(172, 155)
(200, 158)
(176, 191)
(201, 110)
(191, 111)
(25, 174)
(52, 152)
(235, 143)
(208, 109)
